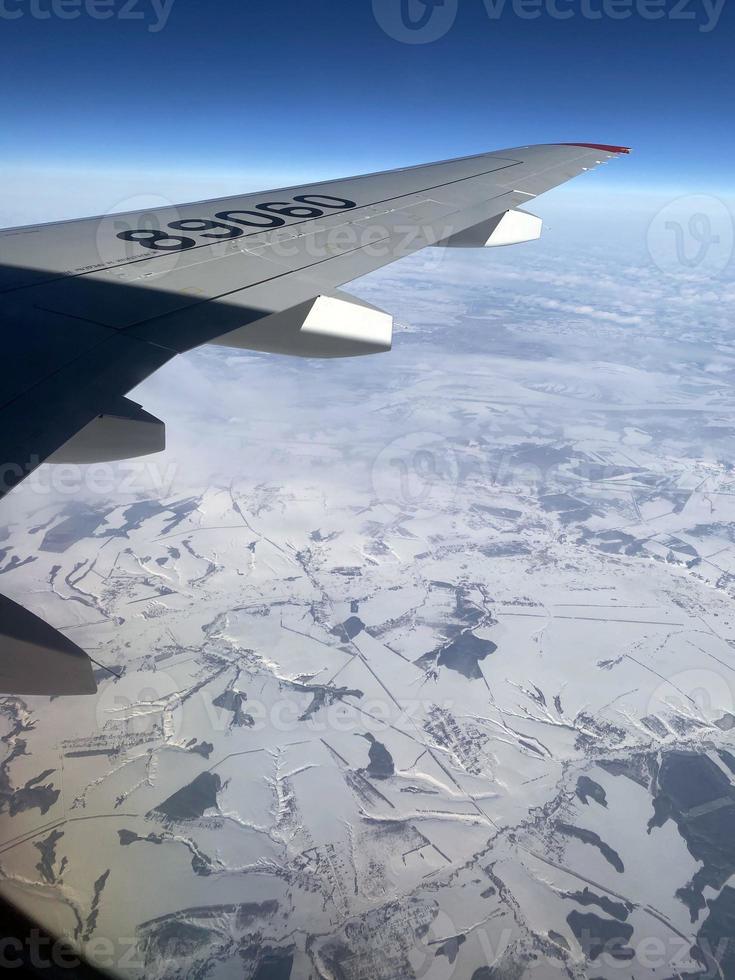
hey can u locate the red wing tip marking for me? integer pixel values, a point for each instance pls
(600, 146)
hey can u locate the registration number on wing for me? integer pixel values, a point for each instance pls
(235, 222)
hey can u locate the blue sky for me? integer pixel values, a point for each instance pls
(312, 89)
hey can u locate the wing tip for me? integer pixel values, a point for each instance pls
(600, 146)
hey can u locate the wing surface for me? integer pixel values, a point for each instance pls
(92, 307)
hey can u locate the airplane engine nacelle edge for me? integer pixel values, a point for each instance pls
(509, 228)
(334, 325)
(36, 659)
(123, 432)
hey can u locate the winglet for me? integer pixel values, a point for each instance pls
(600, 146)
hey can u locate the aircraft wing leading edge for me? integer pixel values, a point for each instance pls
(92, 307)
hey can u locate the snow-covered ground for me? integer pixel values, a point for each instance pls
(426, 660)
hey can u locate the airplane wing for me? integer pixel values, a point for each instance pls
(92, 307)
